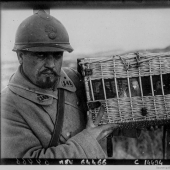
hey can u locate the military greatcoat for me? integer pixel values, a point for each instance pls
(28, 116)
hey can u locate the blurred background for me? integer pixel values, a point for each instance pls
(99, 32)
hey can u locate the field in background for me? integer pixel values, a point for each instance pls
(147, 146)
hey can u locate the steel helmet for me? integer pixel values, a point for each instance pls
(42, 32)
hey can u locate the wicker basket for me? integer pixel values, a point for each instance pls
(134, 88)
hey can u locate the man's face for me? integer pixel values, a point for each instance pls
(42, 68)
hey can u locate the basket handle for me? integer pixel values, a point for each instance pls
(126, 64)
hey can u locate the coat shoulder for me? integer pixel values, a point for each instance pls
(78, 82)
(7, 95)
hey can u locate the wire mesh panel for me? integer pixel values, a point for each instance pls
(134, 88)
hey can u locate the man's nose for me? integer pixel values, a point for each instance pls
(50, 61)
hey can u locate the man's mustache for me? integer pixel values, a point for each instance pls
(49, 71)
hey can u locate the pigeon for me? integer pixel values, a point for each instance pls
(135, 89)
(158, 89)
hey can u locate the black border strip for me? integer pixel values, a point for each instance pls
(117, 4)
(28, 161)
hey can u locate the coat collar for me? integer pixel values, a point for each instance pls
(22, 87)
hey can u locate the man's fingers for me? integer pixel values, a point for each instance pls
(90, 120)
(153, 128)
(110, 126)
(105, 134)
(106, 130)
(100, 115)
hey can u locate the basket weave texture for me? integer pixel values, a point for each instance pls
(134, 88)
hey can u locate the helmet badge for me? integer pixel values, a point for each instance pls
(51, 31)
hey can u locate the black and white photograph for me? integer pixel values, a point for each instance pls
(85, 83)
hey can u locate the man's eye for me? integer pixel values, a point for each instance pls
(58, 55)
(41, 56)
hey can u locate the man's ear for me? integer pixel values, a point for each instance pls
(20, 56)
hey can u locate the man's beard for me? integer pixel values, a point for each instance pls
(47, 82)
(47, 79)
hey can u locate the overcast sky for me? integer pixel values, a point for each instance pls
(98, 30)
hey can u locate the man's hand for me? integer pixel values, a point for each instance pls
(153, 128)
(99, 132)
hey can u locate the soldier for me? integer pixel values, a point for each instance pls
(43, 107)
